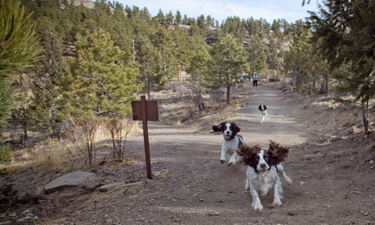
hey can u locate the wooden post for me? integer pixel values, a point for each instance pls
(145, 137)
(146, 111)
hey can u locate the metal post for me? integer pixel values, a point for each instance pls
(145, 137)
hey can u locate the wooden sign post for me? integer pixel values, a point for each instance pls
(146, 111)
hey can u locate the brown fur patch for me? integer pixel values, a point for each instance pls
(277, 152)
(246, 152)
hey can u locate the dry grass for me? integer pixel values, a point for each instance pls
(53, 154)
(177, 107)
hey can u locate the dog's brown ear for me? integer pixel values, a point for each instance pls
(246, 152)
(236, 129)
(278, 153)
(218, 127)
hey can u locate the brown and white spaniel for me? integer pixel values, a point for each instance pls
(263, 111)
(231, 141)
(264, 171)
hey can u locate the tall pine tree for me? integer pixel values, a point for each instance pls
(228, 62)
(19, 48)
(100, 81)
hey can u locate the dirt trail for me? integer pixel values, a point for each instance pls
(200, 190)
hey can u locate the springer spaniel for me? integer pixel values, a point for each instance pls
(264, 171)
(231, 141)
(263, 111)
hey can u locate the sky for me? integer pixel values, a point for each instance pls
(290, 10)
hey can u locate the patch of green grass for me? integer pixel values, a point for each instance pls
(5, 153)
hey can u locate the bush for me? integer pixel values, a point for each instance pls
(5, 153)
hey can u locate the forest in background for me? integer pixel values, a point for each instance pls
(78, 62)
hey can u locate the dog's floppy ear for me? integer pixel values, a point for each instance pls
(246, 152)
(218, 127)
(277, 153)
(260, 107)
(236, 129)
(265, 107)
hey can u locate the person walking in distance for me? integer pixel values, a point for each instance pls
(255, 79)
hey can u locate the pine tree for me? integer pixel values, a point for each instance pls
(258, 52)
(345, 31)
(178, 17)
(100, 82)
(19, 44)
(198, 69)
(150, 65)
(228, 63)
(46, 102)
(19, 48)
(167, 49)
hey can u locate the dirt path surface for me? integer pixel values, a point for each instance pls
(197, 189)
(333, 182)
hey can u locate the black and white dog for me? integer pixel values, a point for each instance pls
(231, 141)
(263, 111)
(264, 171)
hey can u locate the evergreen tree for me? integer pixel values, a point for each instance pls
(258, 52)
(345, 31)
(178, 17)
(169, 18)
(185, 20)
(161, 19)
(228, 63)
(199, 67)
(167, 49)
(150, 64)
(298, 55)
(19, 44)
(100, 82)
(46, 102)
(276, 28)
(19, 48)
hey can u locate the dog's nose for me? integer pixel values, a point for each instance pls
(263, 165)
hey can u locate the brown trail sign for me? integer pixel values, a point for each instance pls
(146, 111)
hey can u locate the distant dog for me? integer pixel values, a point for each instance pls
(264, 171)
(263, 111)
(231, 141)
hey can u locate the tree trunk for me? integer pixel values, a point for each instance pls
(228, 94)
(365, 115)
(326, 79)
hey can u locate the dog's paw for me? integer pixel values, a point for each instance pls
(288, 181)
(222, 161)
(276, 202)
(231, 162)
(258, 207)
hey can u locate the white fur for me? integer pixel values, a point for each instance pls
(263, 115)
(230, 146)
(265, 180)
